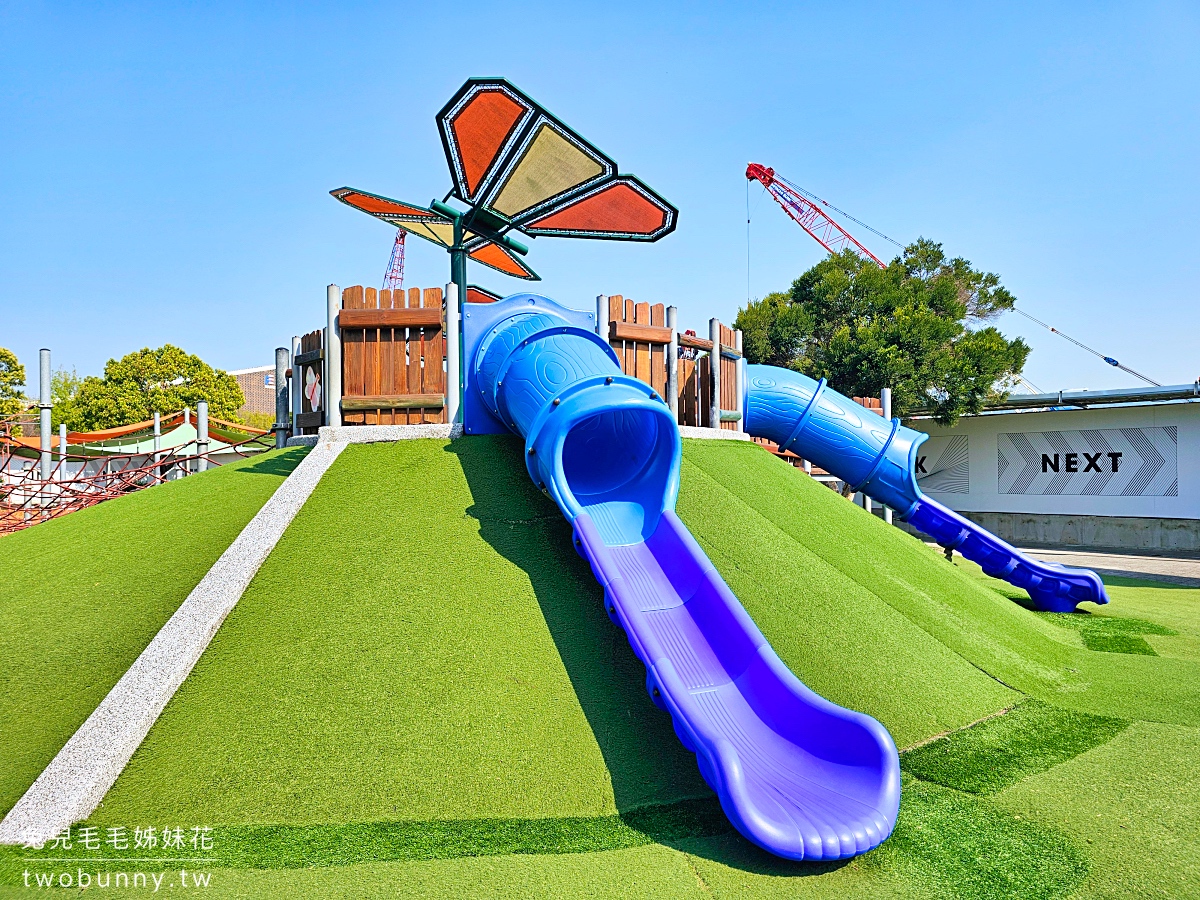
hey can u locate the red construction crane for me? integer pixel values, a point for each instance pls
(834, 238)
(828, 233)
(393, 278)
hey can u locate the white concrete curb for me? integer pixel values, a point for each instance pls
(75, 782)
(371, 434)
(712, 434)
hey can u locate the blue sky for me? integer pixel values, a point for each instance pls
(164, 168)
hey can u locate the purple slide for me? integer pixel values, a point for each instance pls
(796, 774)
(800, 776)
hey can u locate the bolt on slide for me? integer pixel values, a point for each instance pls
(877, 457)
(798, 775)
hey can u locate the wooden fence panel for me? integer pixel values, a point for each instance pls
(658, 352)
(637, 333)
(310, 360)
(728, 376)
(392, 366)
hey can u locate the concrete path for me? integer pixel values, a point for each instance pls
(1168, 569)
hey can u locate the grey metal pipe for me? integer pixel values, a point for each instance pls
(296, 387)
(454, 377)
(714, 365)
(281, 398)
(1093, 398)
(202, 436)
(602, 316)
(885, 400)
(673, 362)
(62, 442)
(333, 357)
(45, 404)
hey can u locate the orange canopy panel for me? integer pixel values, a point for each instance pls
(500, 259)
(623, 208)
(480, 125)
(477, 294)
(381, 206)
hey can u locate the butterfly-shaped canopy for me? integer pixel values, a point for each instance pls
(518, 167)
(517, 164)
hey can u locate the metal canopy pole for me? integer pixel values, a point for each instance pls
(453, 355)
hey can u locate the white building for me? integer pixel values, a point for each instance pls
(1107, 476)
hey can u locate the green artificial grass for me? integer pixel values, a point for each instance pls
(1133, 804)
(423, 644)
(420, 696)
(824, 620)
(81, 596)
(1164, 618)
(305, 846)
(1013, 645)
(991, 755)
(1111, 634)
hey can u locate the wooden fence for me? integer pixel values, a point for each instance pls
(393, 351)
(641, 336)
(393, 354)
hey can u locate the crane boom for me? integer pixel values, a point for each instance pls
(393, 278)
(828, 233)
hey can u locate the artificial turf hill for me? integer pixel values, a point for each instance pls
(420, 693)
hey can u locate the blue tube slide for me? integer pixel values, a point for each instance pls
(796, 774)
(877, 457)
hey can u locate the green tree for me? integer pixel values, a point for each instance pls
(917, 326)
(12, 383)
(148, 381)
(64, 391)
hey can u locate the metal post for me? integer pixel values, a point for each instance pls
(45, 403)
(740, 382)
(281, 398)
(885, 400)
(62, 442)
(714, 366)
(202, 436)
(296, 387)
(453, 355)
(602, 316)
(333, 357)
(673, 362)
(157, 442)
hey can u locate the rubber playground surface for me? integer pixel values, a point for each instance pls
(420, 694)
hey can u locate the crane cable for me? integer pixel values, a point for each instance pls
(1107, 359)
